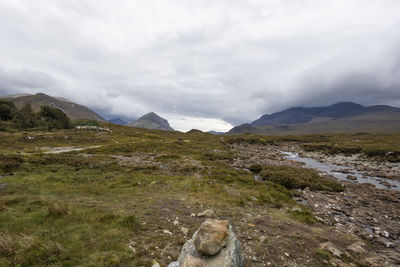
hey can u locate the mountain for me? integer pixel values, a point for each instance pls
(340, 117)
(216, 133)
(302, 115)
(151, 121)
(73, 110)
(118, 121)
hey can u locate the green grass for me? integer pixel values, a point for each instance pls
(299, 178)
(86, 207)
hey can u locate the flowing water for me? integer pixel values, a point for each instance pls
(332, 170)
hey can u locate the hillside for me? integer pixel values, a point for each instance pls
(340, 117)
(151, 121)
(73, 110)
(118, 121)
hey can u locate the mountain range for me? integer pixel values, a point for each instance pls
(340, 117)
(151, 121)
(73, 110)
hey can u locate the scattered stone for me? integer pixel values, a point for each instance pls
(155, 264)
(253, 198)
(385, 184)
(174, 264)
(206, 213)
(184, 230)
(193, 215)
(3, 186)
(385, 234)
(176, 222)
(328, 246)
(191, 261)
(351, 177)
(262, 238)
(211, 237)
(357, 248)
(167, 232)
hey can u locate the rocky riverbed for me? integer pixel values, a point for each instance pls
(363, 210)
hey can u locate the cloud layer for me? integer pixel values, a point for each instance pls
(202, 64)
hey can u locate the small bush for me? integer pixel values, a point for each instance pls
(57, 209)
(131, 223)
(9, 163)
(8, 248)
(322, 254)
(294, 178)
(256, 168)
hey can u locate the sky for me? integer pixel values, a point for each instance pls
(202, 64)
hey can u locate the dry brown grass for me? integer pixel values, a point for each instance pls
(8, 248)
(57, 208)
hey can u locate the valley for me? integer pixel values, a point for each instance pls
(124, 196)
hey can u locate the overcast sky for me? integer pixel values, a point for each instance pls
(202, 64)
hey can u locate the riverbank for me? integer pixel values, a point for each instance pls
(371, 213)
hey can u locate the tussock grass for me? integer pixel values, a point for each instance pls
(299, 178)
(57, 208)
(8, 248)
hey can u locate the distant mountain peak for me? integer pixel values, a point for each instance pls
(151, 121)
(339, 117)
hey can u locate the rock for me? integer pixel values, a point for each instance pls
(228, 256)
(174, 264)
(262, 238)
(3, 186)
(328, 246)
(371, 261)
(176, 222)
(206, 213)
(155, 264)
(167, 232)
(351, 177)
(385, 234)
(184, 230)
(211, 237)
(357, 248)
(191, 261)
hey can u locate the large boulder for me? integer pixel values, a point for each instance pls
(229, 252)
(211, 237)
(191, 261)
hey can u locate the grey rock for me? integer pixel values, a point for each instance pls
(229, 256)
(174, 264)
(3, 186)
(206, 213)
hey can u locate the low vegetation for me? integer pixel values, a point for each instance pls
(299, 178)
(109, 205)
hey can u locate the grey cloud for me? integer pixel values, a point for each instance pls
(230, 59)
(25, 80)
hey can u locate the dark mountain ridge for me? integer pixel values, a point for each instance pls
(302, 115)
(339, 117)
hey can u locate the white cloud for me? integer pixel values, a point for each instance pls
(186, 123)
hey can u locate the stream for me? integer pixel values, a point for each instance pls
(332, 170)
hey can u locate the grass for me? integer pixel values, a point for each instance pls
(299, 178)
(91, 207)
